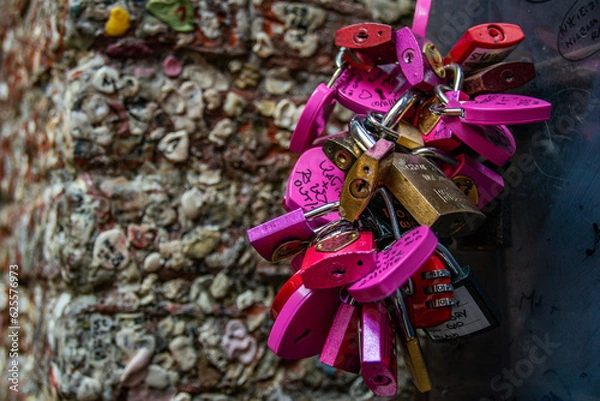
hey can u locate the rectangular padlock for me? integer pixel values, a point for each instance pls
(473, 313)
(479, 183)
(343, 151)
(409, 342)
(484, 45)
(429, 302)
(314, 181)
(378, 351)
(341, 349)
(429, 196)
(374, 43)
(286, 235)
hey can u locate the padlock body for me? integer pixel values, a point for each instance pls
(484, 45)
(341, 350)
(428, 305)
(479, 183)
(373, 41)
(284, 294)
(342, 151)
(395, 265)
(329, 269)
(376, 90)
(419, 60)
(302, 326)
(473, 314)
(284, 236)
(314, 181)
(499, 77)
(429, 196)
(378, 351)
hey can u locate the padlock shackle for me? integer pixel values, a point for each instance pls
(459, 76)
(402, 105)
(397, 307)
(340, 66)
(389, 205)
(360, 134)
(436, 154)
(451, 262)
(322, 210)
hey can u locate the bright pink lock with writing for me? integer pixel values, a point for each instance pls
(376, 90)
(303, 323)
(314, 181)
(395, 265)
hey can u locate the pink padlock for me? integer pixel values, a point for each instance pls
(329, 268)
(313, 119)
(341, 350)
(499, 109)
(286, 235)
(302, 325)
(314, 181)
(420, 61)
(371, 91)
(479, 183)
(395, 265)
(378, 351)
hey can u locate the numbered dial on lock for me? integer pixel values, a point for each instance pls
(302, 325)
(395, 265)
(430, 301)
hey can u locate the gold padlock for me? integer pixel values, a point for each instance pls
(409, 342)
(404, 134)
(429, 196)
(343, 151)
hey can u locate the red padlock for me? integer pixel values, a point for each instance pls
(431, 294)
(341, 350)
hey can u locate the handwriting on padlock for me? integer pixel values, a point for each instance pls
(395, 265)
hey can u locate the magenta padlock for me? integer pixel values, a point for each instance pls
(286, 235)
(313, 182)
(419, 60)
(479, 183)
(378, 351)
(329, 268)
(302, 325)
(371, 91)
(316, 112)
(498, 109)
(395, 265)
(341, 349)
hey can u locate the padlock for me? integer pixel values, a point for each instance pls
(373, 43)
(419, 59)
(429, 196)
(479, 183)
(329, 264)
(499, 78)
(301, 327)
(409, 342)
(314, 181)
(362, 180)
(405, 135)
(496, 109)
(430, 299)
(284, 294)
(474, 312)
(376, 90)
(288, 234)
(378, 351)
(341, 349)
(484, 45)
(342, 150)
(316, 112)
(395, 265)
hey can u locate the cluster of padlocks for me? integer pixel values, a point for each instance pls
(371, 208)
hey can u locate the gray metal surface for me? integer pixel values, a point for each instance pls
(548, 283)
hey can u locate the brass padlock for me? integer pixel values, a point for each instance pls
(343, 151)
(429, 196)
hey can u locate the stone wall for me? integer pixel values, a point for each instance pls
(135, 150)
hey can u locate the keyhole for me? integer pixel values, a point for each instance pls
(302, 336)
(496, 33)
(508, 76)
(381, 380)
(359, 188)
(408, 56)
(342, 159)
(361, 36)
